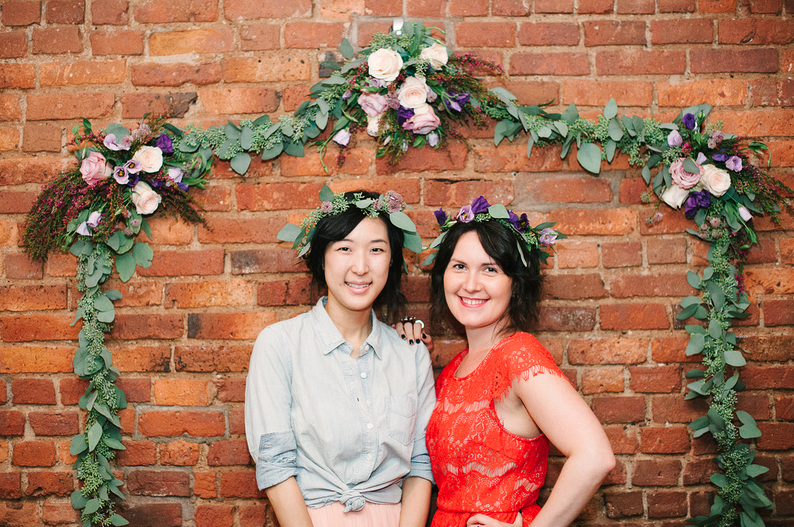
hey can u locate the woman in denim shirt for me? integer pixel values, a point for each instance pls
(336, 402)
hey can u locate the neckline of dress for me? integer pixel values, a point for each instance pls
(484, 359)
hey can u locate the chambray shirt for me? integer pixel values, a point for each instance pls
(349, 430)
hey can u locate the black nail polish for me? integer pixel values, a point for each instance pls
(403, 337)
(424, 336)
(411, 341)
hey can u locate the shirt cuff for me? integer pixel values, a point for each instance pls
(277, 459)
(420, 467)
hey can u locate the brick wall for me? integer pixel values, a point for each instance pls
(186, 325)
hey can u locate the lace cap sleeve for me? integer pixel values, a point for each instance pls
(521, 356)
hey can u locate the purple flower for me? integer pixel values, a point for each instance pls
(164, 143)
(83, 229)
(657, 217)
(326, 207)
(716, 138)
(121, 175)
(175, 174)
(689, 121)
(441, 216)
(141, 131)
(480, 206)
(133, 166)
(734, 163)
(394, 103)
(93, 219)
(110, 142)
(432, 139)
(342, 137)
(182, 186)
(455, 101)
(695, 201)
(701, 158)
(521, 224)
(719, 157)
(674, 139)
(465, 214)
(403, 114)
(348, 94)
(547, 236)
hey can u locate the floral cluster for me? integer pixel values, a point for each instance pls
(122, 176)
(538, 239)
(405, 91)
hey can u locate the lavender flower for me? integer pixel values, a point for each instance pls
(521, 224)
(433, 139)
(441, 216)
(164, 143)
(93, 219)
(719, 157)
(547, 236)
(455, 101)
(121, 175)
(480, 205)
(734, 163)
(465, 214)
(695, 201)
(701, 158)
(403, 114)
(689, 121)
(83, 229)
(133, 166)
(348, 94)
(674, 139)
(716, 138)
(326, 207)
(110, 143)
(342, 137)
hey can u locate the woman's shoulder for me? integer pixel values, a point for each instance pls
(522, 351)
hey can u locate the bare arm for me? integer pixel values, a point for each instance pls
(564, 417)
(287, 502)
(415, 502)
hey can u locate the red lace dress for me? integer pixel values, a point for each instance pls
(478, 465)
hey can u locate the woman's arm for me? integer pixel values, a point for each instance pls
(415, 502)
(564, 417)
(288, 504)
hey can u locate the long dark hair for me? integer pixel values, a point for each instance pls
(502, 244)
(334, 228)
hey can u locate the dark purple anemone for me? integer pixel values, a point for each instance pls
(695, 201)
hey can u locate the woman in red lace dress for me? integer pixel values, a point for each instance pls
(503, 399)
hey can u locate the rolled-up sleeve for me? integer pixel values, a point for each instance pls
(420, 459)
(268, 402)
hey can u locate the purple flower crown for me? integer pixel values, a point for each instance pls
(539, 239)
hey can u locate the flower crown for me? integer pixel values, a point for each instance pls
(537, 239)
(390, 203)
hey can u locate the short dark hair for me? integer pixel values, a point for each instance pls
(334, 228)
(502, 244)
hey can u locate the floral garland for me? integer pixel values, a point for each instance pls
(407, 90)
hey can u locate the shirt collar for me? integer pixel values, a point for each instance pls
(330, 336)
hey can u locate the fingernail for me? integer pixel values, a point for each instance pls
(411, 341)
(424, 335)
(403, 337)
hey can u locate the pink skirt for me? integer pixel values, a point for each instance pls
(372, 515)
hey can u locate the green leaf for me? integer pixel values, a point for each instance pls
(561, 127)
(610, 148)
(103, 303)
(695, 373)
(247, 138)
(118, 520)
(125, 265)
(78, 500)
(112, 443)
(615, 130)
(748, 430)
(589, 156)
(611, 109)
(756, 470)
(715, 330)
(413, 242)
(570, 115)
(326, 194)
(78, 445)
(690, 166)
(719, 479)
(113, 294)
(106, 316)
(294, 149)
(272, 153)
(92, 506)
(498, 211)
(693, 279)
(94, 435)
(346, 49)
(700, 422)
(241, 162)
(289, 233)
(696, 344)
(401, 220)
(734, 358)
(503, 95)
(142, 254)
(232, 131)
(690, 300)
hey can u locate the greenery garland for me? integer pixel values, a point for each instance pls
(414, 92)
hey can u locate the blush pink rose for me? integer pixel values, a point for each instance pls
(424, 120)
(436, 54)
(373, 104)
(150, 157)
(716, 180)
(413, 93)
(675, 196)
(94, 169)
(144, 198)
(385, 64)
(682, 178)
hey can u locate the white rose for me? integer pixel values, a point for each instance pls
(716, 180)
(385, 64)
(413, 93)
(373, 125)
(675, 196)
(150, 157)
(144, 198)
(436, 54)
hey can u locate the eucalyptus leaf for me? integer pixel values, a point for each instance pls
(326, 194)
(401, 220)
(610, 148)
(346, 49)
(91, 506)
(118, 520)
(498, 210)
(693, 279)
(142, 254)
(94, 435)
(589, 156)
(125, 265)
(294, 149)
(289, 233)
(78, 445)
(272, 153)
(413, 242)
(734, 358)
(696, 344)
(79, 501)
(241, 162)
(690, 166)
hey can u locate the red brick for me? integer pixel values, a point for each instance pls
(185, 263)
(214, 515)
(312, 35)
(676, 6)
(663, 251)
(54, 423)
(451, 157)
(276, 260)
(768, 377)
(3, 392)
(204, 485)
(245, 230)
(602, 380)
(220, 358)
(617, 350)
(13, 45)
(13, 76)
(275, 196)
(784, 407)
(160, 514)
(12, 423)
(776, 436)
(298, 292)
(699, 471)
(50, 483)
(138, 453)
(510, 8)
(231, 390)
(9, 140)
(613, 33)
(215, 197)
(32, 298)
(57, 513)
(206, 40)
(117, 42)
(21, 13)
(587, 189)
(235, 292)
(595, 221)
(143, 358)
(428, 8)
(168, 11)
(357, 161)
(667, 504)
(34, 454)
(135, 390)
(19, 513)
(634, 316)
(136, 105)
(181, 392)
(237, 421)
(597, 93)
(767, 6)
(778, 312)
(267, 68)
(10, 109)
(252, 9)
(180, 453)
(261, 36)
(65, 11)
(63, 39)
(47, 106)
(553, 6)
(32, 391)
(655, 379)
(41, 138)
(239, 484)
(755, 31)
(633, 61)
(224, 101)
(554, 318)
(36, 359)
(734, 61)
(770, 281)
(237, 326)
(11, 485)
(229, 452)
(623, 504)
(467, 8)
(158, 483)
(485, 34)
(635, 7)
(664, 440)
(682, 31)
(621, 254)
(655, 285)
(548, 34)
(155, 74)
(648, 472)
(574, 286)
(572, 254)
(549, 64)
(623, 439)
(175, 423)
(619, 409)
(111, 12)
(129, 326)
